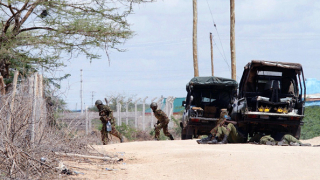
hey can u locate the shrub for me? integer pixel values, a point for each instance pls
(311, 127)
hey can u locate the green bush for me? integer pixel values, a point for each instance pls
(176, 128)
(127, 131)
(311, 127)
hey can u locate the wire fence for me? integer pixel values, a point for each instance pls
(137, 119)
(22, 108)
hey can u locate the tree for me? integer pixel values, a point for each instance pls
(38, 33)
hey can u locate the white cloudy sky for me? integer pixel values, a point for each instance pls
(159, 60)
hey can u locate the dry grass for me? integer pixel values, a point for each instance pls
(20, 157)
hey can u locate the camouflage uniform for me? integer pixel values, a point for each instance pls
(266, 138)
(162, 123)
(287, 139)
(219, 123)
(231, 131)
(106, 115)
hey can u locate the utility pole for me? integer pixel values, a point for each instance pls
(194, 39)
(92, 98)
(232, 41)
(81, 92)
(212, 67)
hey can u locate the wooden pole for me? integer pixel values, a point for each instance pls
(14, 84)
(85, 156)
(2, 87)
(232, 40)
(34, 106)
(81, 92)
(194, 39)
(212, 67)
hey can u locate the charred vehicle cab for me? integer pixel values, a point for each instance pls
(271, 98)
(206, 96)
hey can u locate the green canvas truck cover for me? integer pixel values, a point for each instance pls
(212, 80)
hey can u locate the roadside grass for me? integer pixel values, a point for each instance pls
(311, 127)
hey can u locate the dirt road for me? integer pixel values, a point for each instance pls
(188, 160)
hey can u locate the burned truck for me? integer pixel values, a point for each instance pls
(206, 96)
(271, 98)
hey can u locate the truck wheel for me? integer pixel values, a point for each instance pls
(183, 134)
(298, 132)
(189, 133)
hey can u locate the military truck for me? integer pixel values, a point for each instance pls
(271, 98)
(206, 96)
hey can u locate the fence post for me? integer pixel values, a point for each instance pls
(86, 121)
(144, 113)
(15, 79)
(152, 112)
(119, 110)
(135, 113)
(171, 111)
(34, 103)
(2, 85)
(159, 103)
(129, 100)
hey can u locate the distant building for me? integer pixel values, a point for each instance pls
(313, 92)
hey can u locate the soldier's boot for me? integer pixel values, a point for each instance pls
(171, 137)
(205, 140)
(272, 143)
(294, 144)
(305, 144)
(282, 143)
(224, 140)
(213, 141)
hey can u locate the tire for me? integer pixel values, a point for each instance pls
(183, 134)
(189, 132)
(297, 133)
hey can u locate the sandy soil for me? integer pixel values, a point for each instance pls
(188, 160)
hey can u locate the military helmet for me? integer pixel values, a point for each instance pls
(153, 104)
(98, 102)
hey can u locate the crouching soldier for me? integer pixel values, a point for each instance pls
(162, 122)
(225, 130)
(212, 136)
(229, 133)
(106, 117)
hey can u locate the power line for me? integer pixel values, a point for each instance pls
(215, 26)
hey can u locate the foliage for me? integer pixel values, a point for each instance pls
(38, 33)
(311, 127)
(93, 108)
(127, 131)
(161, 137)
(176, 127)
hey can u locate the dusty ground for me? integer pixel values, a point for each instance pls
(188, 160)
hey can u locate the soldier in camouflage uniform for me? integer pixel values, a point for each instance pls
(106, 115)
(286, 140)
(229, 132)
(162, 122)
(212, 136)
(226, 132)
